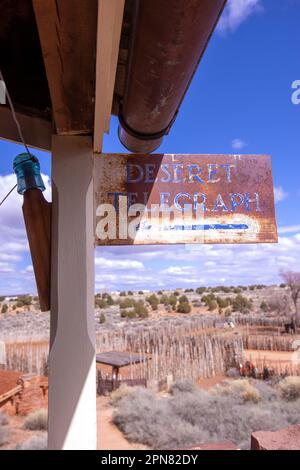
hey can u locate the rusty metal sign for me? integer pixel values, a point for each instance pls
(168, 199)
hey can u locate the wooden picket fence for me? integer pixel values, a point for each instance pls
(107, 385)
(182, 350)
(278, 367)
(267, 342)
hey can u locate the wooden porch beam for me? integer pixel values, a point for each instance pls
(37, 132)
(110, 18)
(67, 31)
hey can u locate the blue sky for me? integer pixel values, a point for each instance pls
(239, 102)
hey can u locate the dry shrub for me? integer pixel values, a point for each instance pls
(3, 428)
(34, 443)
(246, 391)
(3, 419)
(37, 420)
(182, 386)
(199, 416)
(290, 388)
(121, 392)
(3, 435)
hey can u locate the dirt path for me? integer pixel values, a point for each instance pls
(212, 381)
(109, 436)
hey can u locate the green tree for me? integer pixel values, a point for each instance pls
(164, 299)
(172, 301)
(184, 307)
(24, 300)
(237, 290)
(109, 300)
(100, 303)
(102, 318)
(4, 308)
(241, 304)
(127, 303)
(140, 309)
(264, 306)
(206, 299)
(153, 301)
(222, 303)
(212, 305)
(200, 290)
(127, 313)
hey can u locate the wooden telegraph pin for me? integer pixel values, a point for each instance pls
(37, 217)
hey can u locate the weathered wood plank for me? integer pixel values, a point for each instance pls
(119, 358)
(10, 394)
(110, 16)
(67, 31)
(37, 132)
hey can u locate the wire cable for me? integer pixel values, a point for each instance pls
(5, 197)
(18, 128)
(14, 114)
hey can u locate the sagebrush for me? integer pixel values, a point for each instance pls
(290, 388)
(34, 443)
(37, 420)
(3, 419)
(190, 416)
(3, 435)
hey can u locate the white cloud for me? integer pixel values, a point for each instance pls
(179, 270)
(195, 265)
(236, 12)
(280, 194)
(13, 239)
(238, 144)
(289, 229)
(29, 269)
(118, 264)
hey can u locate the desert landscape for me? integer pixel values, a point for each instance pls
(213, 365)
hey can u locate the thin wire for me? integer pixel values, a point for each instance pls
(14, 114)
(19, 131)
(5, 197)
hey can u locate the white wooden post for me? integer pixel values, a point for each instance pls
(72, 367)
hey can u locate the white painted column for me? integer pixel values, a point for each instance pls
(72, 367)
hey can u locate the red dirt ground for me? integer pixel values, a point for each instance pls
(8, 380)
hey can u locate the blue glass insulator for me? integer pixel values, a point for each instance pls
(27, 169)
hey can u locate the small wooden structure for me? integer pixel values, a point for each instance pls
(118, 359)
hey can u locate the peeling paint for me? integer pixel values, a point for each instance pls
(230, 197)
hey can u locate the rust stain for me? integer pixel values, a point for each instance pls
(231, 196)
